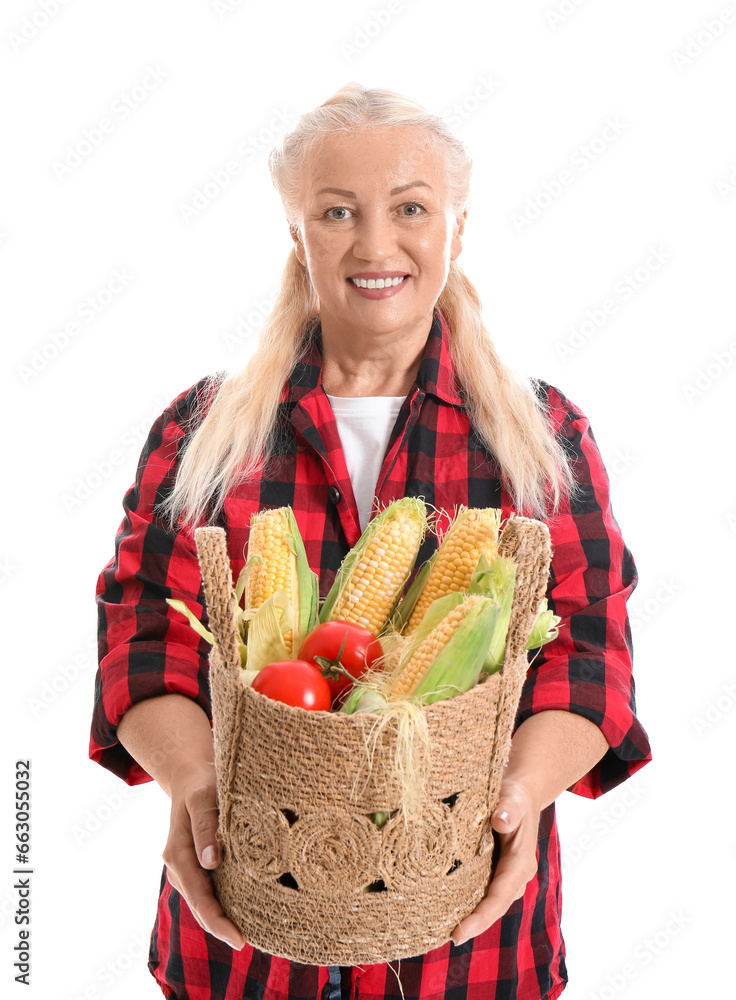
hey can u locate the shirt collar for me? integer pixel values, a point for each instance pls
(436, 374)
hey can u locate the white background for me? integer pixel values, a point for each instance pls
(649, 867)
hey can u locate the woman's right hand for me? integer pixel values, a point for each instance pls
(192, 849)
(171, 738)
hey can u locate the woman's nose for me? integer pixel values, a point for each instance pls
(375, 237)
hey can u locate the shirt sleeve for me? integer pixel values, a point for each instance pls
(146, 648)
(587, 669)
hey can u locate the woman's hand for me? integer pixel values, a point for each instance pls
(192, 847)
(516, 821)
(170, 737)
(550, 751)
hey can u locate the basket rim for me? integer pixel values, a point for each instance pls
(445, 706)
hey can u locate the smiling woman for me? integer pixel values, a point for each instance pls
(410, 243)
(374, 379)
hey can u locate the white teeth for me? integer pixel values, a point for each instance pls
(377, 282)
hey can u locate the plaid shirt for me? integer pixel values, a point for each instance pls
(148, 650)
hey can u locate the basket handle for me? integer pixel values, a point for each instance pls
(219, 594)
(527, 542)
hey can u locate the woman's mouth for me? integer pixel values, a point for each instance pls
(379, 288)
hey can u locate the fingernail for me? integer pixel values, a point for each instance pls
(503, 815)
(235, 943)
(458, 941)
(209, 856)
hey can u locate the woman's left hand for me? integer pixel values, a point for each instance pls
(516, 821)
(550, 751)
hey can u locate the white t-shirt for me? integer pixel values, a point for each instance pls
(364, 424)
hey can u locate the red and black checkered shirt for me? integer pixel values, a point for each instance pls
(148, 650)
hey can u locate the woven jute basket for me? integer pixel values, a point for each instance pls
(296, 790)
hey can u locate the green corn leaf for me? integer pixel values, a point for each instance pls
(500, 579)
(242, 623)
(304, 583)
(364, 699)
(407, 603)
(480, 582)
(343, 574)
(545, 627)
(458, 665)
(265, 639)
(380, 818)
(192, 619)
(437, 611)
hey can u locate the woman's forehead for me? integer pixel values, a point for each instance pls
(401, 155)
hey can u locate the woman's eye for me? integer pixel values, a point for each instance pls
(409, 210)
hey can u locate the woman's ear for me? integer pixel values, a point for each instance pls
(298, 246)
(457, 243)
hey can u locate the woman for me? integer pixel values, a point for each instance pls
(374, 378)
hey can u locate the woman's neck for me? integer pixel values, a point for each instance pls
(369, 366)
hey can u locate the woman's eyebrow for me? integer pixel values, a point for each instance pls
(352, 194)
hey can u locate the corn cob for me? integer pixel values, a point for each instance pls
(450, 654)
(277, 562)
(472, 533)
(373, 574)
(497, 582)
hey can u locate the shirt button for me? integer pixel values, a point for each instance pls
(333, 494)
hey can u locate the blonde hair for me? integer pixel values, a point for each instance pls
(239, 430)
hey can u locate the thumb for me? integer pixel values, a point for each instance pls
(203, 814)
(505, 817)
(210, 856)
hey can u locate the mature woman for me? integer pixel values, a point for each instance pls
(374, 379)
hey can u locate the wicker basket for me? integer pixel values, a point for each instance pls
(296, 789)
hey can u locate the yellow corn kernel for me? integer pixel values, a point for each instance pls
(268, 539)
(447, 660)
(473, 532)
(411, 673)
(373, 574)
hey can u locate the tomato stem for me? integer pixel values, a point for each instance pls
(333, 669)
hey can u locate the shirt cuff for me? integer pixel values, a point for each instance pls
(128, 676)
(574, 686)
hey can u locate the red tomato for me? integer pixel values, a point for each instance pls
(294, 682)
(361, 651)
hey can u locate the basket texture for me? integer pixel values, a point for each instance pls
(296, 789)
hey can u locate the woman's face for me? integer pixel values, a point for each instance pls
(376, 205)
